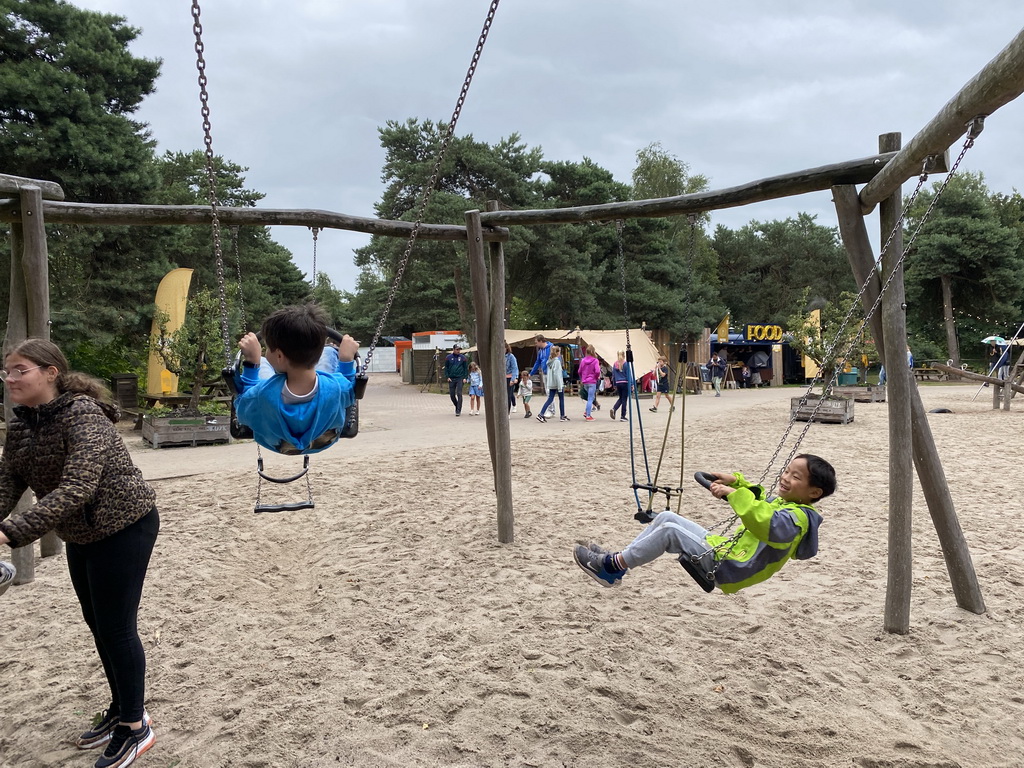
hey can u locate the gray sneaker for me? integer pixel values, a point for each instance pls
(592, 559)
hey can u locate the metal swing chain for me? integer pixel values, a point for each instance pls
(238, 272)
(211, 179)
(431, 184)
(974, 129)
(316, 233)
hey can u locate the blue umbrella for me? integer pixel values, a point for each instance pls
(994, 340)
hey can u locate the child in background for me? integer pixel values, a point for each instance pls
(525, 391)
(476, 388)
(556, 385)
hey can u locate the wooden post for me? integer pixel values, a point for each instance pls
(489, 311)
(17, 330)
(899, 382)
(36, 268)
(963, 579)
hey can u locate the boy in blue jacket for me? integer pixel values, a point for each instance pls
(296, 402)
(770, 534)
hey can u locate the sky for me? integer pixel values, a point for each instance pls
(739, 90)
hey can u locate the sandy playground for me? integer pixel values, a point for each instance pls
(388, 628)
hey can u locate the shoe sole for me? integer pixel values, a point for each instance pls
(99, 741)
(586, 570)
(139, 751)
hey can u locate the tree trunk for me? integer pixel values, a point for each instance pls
(947, 317)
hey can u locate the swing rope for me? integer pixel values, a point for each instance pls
(646, 515)
(973, 130)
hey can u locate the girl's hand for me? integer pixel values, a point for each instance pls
(725, 478)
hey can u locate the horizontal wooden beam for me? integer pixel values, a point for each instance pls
(163, 215)
(12, 185)
(801, 182)
(999, 82)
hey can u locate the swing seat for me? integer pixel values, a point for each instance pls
(705, 580)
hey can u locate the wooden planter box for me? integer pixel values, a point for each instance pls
(185, 430)
(834, 410)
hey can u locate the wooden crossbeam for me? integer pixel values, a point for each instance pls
(13, 185)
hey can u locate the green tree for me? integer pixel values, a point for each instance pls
(68, 88)
(259, 274)
(658, 174)
(965, 268)
(831, 341)
(764, 267)
(435, 290)
(192, 352)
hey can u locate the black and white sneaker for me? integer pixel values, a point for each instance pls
(103, 728)
(125, 745)
(7, 574)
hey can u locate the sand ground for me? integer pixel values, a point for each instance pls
(388, 627)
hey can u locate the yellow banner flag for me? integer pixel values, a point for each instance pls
(723, 329)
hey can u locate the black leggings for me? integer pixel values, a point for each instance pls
(107, 576)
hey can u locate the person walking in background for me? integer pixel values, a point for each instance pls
(63, 445)
(511, 376)
(661, 380)
(620, 380)
(456, 369)
(590, 372)
(716, 369)
(476, 388)
(556, 385)
(544, 348)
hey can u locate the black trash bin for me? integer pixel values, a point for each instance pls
(125, 387)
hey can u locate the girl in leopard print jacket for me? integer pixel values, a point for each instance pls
(62, 444)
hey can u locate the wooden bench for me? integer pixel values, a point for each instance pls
(925, 374)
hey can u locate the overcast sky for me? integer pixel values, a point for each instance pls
(739, 90)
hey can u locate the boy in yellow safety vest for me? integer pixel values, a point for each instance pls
(771, 532)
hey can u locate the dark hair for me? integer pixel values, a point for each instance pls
(539, 337)
(821, 474)
(48, 355)
(299, 332)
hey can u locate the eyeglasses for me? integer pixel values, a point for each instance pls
(16, 373)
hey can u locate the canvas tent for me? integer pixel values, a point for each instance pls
(607, 344)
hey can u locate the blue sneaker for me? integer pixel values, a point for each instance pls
(594, 561)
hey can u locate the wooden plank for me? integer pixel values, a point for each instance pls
(164, 215)
(997, 83)
(13, 185)
(812, 180)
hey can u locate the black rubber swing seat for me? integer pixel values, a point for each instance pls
(704, 580)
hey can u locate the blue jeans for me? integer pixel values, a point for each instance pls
(551, 397)
(591, 392)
